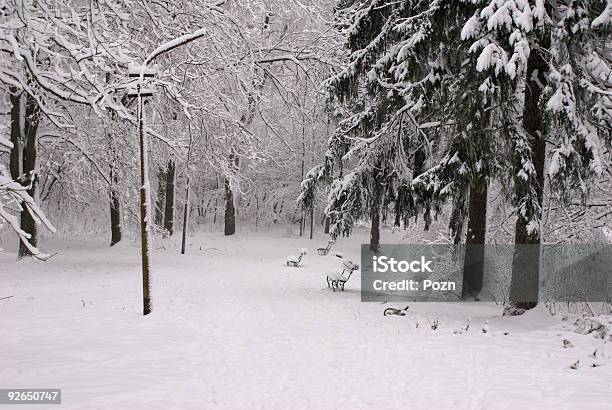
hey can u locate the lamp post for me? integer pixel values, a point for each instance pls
(141, 72)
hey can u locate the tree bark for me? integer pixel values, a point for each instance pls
(524, 285)
(160, 203)
(185, 218)
(30, 152)
(377, 176)
(169, 206)
(115, 210)
(311, 221)
(115, 204)
(16, 138)
(326, 230)
(473, 266)
(303, 219)
(216, 194)
(302, 225)
(115, 214)
(230, 211)
(375, 230)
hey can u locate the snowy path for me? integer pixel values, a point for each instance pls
(234, 328)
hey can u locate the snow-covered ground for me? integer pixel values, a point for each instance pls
(233, 328)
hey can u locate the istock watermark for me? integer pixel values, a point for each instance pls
(558, 273)
(385, 264)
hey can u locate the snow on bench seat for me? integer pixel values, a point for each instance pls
(337, 276)
(337, 280)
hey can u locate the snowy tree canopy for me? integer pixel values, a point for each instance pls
(446, 79)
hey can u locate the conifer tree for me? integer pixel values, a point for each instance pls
(549, 60)
(412, 100)
(444, 96)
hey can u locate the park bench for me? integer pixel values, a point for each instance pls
(293, 260)
(337, 280)
(325, 251)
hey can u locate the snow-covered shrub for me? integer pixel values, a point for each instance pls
(599, 326)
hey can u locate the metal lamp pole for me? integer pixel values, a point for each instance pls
(143, 72)
(145, 197)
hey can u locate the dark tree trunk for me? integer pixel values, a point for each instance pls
(311, 222)
(185, 218)
(473, 267)
(115, 204)
(216, 199)
(326, 224)
(375, 208)
(115, 214)
(160, 203)
(302, 225)
(230, 211)
(169, 207)
(207, 206)
(419, 162)
(30, 152)
(524, 286)
(375, 230)
(16, 138)
(115, 210)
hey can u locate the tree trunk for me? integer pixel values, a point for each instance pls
(115, 214)
(115, 210)
(326, 224)
(16, 138)
(30, 152)
(375, 230)
(160, 203)
(169, 206)
(302, 225)
(216, 199)
(311, 221)
(377, 177)
(473, 266)
(185, 218)
(230, 211)
(303, 219)
(524, 285)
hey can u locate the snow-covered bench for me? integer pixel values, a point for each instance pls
(325, 251)
(293, 260)
(337, 280)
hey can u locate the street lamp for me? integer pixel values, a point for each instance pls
(139, 91)
(142, 72)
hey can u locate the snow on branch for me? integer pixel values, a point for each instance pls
(177, 42)
(13, 199)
